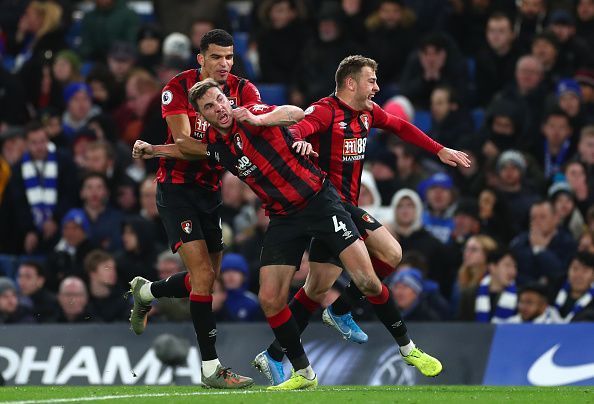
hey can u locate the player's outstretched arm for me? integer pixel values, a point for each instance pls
(145, 151)
(181, 130)
(453, 157)
(285, 115)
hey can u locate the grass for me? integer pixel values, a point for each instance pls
(325, 394)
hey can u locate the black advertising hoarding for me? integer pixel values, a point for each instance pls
(111, 354)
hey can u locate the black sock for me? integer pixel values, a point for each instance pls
(341, 305)
(287, 333)
(386, 311)
(302, 316)
(174, 286)
(204, 325)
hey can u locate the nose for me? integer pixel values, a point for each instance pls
(376, 88)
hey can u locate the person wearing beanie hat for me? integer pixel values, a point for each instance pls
(514, 158)
(407, 286)
(176, 47)
(440, 201)
(241, 304)
(148, 46)
(66, 67)
(563, 199)
(585, 78)
(569, 100)
(401, 107)
(78, 98)
(12, 310)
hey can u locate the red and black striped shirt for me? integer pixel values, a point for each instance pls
(263, 158)
(338, 134)
(174, 101)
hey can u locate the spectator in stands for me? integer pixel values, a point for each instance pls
(528, 93)
(563, 199)
(120, 61)
(104, 89)
(450, 121)
(39, 31)
(108, 22)
(440, 203)
(106, 222)
(79, 109)
(496, 61)
(466, 224)
(569, 100)
(585, 21)
(74, 299)
(409, 169)
(503, 129)
(100, 158)
(168, 308)
(42, 185)
(574, 51)
(575, 173)
(314, 76)
(575, 300)
(281, 23)
(369, 197)
(200, 26)
(435, 62)
(241, 304)
(407, 288)
(557, 145)
(148, 46)
(533, 306)
(219, 298)
(137, 257)
(68, 256)
(530, 20)
(13, 100)
(65, 70)
(545, 47)
(544, 251)
(585, 78)
(31, 281)
(467, 22)
(390, 38)
(493, 216)
(12, 311)
(517, 198)
(149, 212)
(586, 242)
(233, 203)
(382, 166)
(105, 295)
(474, 264)
(406, 226)
(354, 15)
(495, 298)
(586, 152)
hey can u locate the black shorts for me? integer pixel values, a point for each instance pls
(324, 217)
(319, 251)
(190, 213)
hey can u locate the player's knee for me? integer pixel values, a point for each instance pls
(271, 301)
(315, 292)
(394, 255)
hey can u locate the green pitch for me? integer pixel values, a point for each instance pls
(324, 395)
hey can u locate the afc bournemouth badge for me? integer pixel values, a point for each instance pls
(365, 121)
(186, 226)
(238, 141)
(368, 218)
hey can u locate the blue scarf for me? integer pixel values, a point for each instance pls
(41, 185)
(579, 304)
(553, 165)
(506, 305)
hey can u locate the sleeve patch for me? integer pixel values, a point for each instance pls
(166, 97)
(309, 110)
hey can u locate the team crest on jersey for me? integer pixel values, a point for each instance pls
(365, 121)
(186, 226)
(367, 217)
(166, 97)
(238, 142)
(232, 101)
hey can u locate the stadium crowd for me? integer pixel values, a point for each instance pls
(511, 83)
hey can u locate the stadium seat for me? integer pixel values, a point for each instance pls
(471, 67)
(273, 94)
(422, 120)
(241, 42)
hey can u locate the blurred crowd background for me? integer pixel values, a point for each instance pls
(511, 82)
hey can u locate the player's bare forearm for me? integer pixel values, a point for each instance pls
(190, 148)
(285, 115)
(173, 151)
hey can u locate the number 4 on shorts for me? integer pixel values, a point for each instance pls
(338, 226)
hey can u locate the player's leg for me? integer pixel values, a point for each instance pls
(357, 262)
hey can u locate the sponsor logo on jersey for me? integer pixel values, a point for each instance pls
(200, 127)
(353, 149)
(186, 226)
(166, 97)
(258, 107)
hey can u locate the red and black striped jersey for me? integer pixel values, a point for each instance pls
(263, 158)
(174, 101)
(338, 134)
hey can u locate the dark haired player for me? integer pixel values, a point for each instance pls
(188, 199)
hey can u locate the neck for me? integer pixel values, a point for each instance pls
(347, 98)
(99, 290)
(503, 50)
(94, 211)
(495, 285)
(405, 230)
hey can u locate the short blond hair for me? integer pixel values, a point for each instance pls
(351, 66)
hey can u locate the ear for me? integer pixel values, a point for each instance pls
(200, 59)
(351, 83)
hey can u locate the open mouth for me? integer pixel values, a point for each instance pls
(224, 118)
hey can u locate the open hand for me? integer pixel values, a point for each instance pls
(453, 157)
